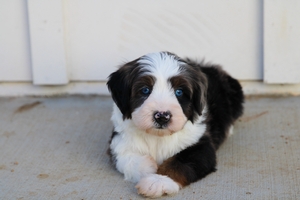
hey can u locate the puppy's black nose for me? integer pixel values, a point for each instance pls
(162, 118)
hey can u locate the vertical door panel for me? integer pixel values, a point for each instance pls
(282, 41)
(47, 42)
(14, 42)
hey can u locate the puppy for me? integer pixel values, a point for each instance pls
(170, 116)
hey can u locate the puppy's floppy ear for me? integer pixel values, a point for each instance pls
(120, 84)
(200, 85)
(199, 92)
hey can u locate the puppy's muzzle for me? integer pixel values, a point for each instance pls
(162, 118)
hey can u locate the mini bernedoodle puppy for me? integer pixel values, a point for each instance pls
(170, 116)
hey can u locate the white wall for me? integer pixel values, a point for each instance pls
(77, 44)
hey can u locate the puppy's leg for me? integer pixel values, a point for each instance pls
(231, 131)
(142, 169)
(191, 164)
(135, 166)
(186, 167)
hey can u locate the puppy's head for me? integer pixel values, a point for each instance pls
(159, 92)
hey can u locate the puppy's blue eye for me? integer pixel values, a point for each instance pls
(146, 90)
(178, 92)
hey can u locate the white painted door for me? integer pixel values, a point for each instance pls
(103, 34)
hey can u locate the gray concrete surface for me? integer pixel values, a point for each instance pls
(55, 148)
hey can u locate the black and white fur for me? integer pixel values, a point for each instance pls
(170, 116)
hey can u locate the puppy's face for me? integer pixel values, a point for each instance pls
(159, 92)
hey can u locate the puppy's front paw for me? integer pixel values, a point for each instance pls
(155, 185)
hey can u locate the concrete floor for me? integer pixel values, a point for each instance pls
(55, 148)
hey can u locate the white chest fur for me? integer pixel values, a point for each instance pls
(132, 140)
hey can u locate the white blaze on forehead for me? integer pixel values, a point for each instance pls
(161, 64)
